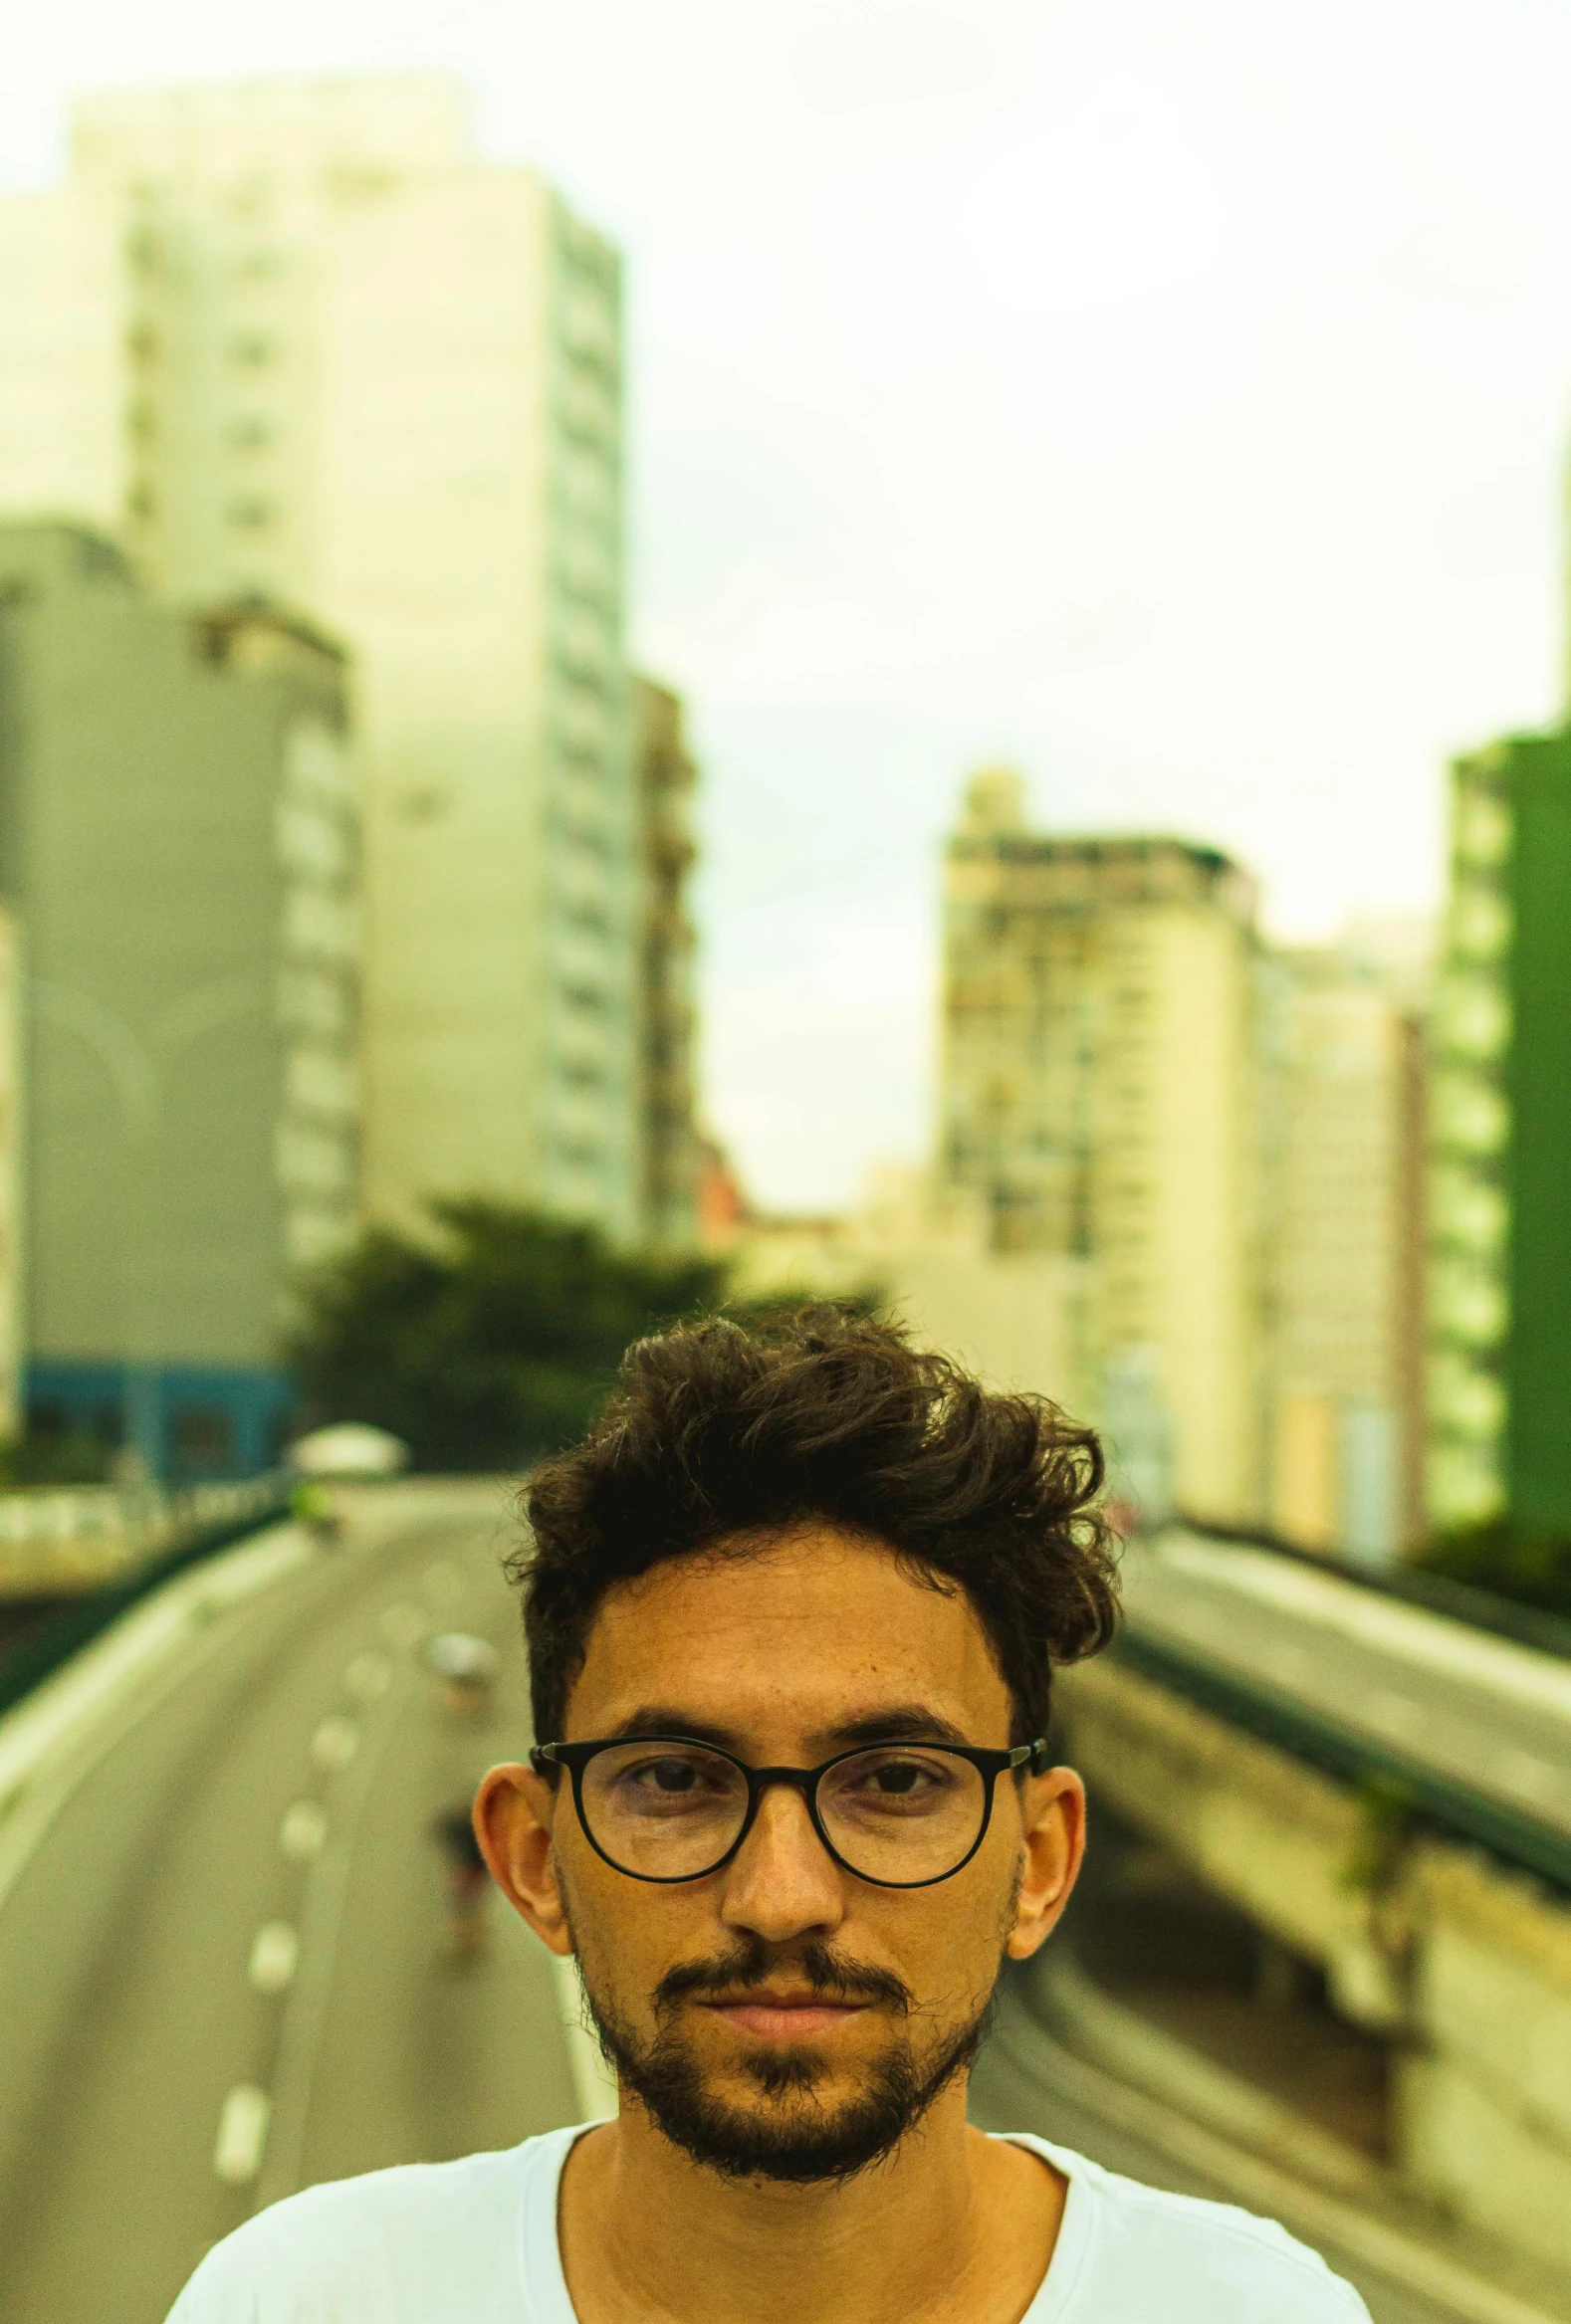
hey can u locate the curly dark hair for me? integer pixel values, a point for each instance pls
(721, 1432)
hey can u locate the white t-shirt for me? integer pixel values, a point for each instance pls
(475, 2242)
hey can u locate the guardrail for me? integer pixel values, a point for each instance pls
(90, 1553)
(56, 1543)
(1437, 1593)
(1509, 1833)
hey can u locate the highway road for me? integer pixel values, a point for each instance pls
(222, 1965)
(1490, 1714)
(275, 1802)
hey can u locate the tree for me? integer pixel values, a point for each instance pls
(493, 1339)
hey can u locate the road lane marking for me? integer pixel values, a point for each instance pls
(275, 1949)
(321, 1923)
(367, 1677)
(302, 1830)
(334, 1743)
(241, 2134)
(401, 1623)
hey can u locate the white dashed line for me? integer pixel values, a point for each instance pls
(273, 1952)
(334, 1743)
(302, 1830)
(241, 2134)
(367, 1677)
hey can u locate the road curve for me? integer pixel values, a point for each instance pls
(200, 2010)
(222, 1967)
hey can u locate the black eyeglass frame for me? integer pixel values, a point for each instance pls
(990, 1764)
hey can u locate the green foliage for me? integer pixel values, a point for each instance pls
(491, 1341)
(1513, 1561)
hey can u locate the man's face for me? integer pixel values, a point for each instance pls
(781, 2016)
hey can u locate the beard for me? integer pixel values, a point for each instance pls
(792, 2137)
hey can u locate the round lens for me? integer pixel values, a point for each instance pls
(904, 1813)
(663, 1811)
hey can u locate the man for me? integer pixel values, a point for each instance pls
(792, 1613)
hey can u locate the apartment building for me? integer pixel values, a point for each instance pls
(669, 1158)
(294, 345)
(1098, 1095)
(179, 840)
(1343, 1125)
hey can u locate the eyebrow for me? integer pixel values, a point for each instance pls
(898, 1723)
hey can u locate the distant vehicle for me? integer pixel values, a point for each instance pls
(312, 1505)
(465, 1668)
(349, 1449)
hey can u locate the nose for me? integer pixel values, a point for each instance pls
(782, 1882)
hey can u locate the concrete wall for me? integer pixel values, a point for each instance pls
(1466, 1964)
(178, 831)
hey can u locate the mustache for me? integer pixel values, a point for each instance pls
(753, 1962)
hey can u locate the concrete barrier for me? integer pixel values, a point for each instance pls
(1465, 1962)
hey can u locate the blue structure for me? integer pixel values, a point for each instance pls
(190, 1424)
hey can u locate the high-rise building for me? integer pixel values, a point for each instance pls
(293, 344)
(179, 840)
(1499, 1393)
(1097, 1094)
(667, 1010)
(1342, 1128)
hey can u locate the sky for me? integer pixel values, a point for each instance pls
(1168, 402)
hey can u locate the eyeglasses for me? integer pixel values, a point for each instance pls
(900, 1815)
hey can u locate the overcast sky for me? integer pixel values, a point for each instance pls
(1167, 401)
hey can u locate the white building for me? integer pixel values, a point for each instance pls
(1343, 1125)
(294, 343)
(1098, 1097)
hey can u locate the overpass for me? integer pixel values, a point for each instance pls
(1387, 1795)
(222, 1971)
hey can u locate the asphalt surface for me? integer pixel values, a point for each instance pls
(1012, 2091)
(1487, 1713)
(128, 2011)
(224, 1970)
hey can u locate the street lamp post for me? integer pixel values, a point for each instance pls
(138, 1066)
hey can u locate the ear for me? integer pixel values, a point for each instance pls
(513, 1813)
(1052, 1842)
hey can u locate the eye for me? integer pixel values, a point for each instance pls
(898, 1779)
(668, 1774)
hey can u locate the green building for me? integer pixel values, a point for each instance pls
(1499, 1375)
(179, 840)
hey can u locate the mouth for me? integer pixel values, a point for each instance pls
(785, 2016)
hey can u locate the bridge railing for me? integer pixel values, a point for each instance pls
(59, 1542)
(71, 1561)
(1404, 1779)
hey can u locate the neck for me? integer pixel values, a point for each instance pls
(648, 2235)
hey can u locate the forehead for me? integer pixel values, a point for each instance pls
(801, 1630)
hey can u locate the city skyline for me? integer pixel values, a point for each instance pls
(1173, 411)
